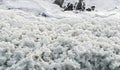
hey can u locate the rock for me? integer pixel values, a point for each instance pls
(77, 6)
(69, 7)
(80, 5)
(93, 8)
(88, 9)
(59, 2)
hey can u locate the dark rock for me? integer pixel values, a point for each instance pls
(78, 6)
(59, 2)
(45, 15)
(93, 8)
(83, 6)
(69, 7)
(88, 9)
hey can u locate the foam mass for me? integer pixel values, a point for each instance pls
(75, 44)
